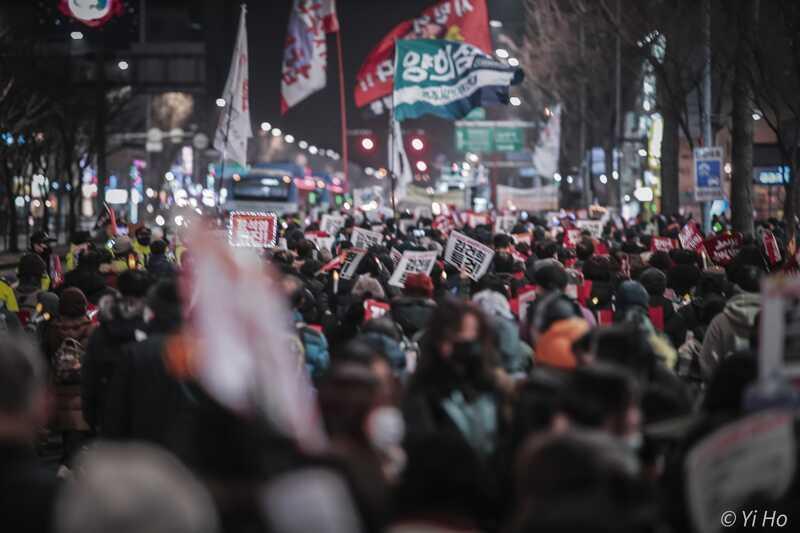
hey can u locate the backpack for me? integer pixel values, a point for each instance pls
(67, 362)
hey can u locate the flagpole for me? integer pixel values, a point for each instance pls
(229, 109)
(392, 169)
(342, 106)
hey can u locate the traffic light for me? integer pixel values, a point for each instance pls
(367, 144)
(417, 144)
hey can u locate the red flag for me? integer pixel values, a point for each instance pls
(454, 20)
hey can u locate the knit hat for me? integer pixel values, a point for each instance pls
(31, 266)
(550, 276)
(419, 282)
(629, 294)
(654, 281)
(554, 347)
(73, 303)
(122, 246)
(366, 284)
(682, 278)
(492, 303)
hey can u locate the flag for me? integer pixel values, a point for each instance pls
(447, 79)
(545, 155)
(398, 161)
(234, 128)
(454, 20)
(305, 56)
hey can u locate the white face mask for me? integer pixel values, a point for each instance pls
(148, 315)
(385, 427)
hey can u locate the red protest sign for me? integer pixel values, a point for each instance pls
(723, 248)
(459, 20)
(661, 244)
(374, 309)
(691, 238)
(253, 230)
(572, 237)
(771, 247)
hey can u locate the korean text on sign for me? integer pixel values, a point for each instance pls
(468, 255)
(253, 230)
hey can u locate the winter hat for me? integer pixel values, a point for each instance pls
(164, 301)
(630, 294)
(660, 260)
(49, 303)
(122, 246)
(31, 266)
(654, 281)
(367, 285)
(73, 303)
(492, 303)
(551, 277)
(597, 268)
(682, 278)
(419, 283)
(554, 347)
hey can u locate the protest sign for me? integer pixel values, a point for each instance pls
(690, 238)
(374, 309)
(723, 248)
(350, 262)
(572, 237)
(443, 223)
(771, 248)
(525, 297)
(364, 238)
(753, 457)
(522, 237)
(321, 240)
(332, 224)
(661, 244)
(253, 230)
(595, 227)
(468, 255)
(504, 224)
(779, 336)
(477, 219)
(412, 262)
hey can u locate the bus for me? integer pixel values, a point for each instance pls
(266, 187)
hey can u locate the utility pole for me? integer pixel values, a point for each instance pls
(616, 184)
(586, 174)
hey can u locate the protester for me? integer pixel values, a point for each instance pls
(40, 244)
(158, 264)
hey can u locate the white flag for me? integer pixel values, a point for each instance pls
(234, 128)
(545, 155)
(305, 55)
(398, 160)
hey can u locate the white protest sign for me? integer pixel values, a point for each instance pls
(468, 255)
(412, 262)
(477, 219)
(754, 456)
(504, 224)
(322, 243)
(395, 255)
(779, 338)
(364, 238)
(351, 260)
(595, 227)
(332, 224)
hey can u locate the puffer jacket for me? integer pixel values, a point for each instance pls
(729, 331)
(68, 413)
(412, 314)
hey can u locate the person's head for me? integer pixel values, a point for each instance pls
(458, 346)
(364, 350)
(550, 277)
(163, 311)
(30, 269)
(144, 235)
(603, 397)
(73, 304)
(346, 396)
(294, 290)
(502, 243)
(625, 344)
(305, 250)
(726, 390)
(419, 285)
(630, 294)
(747, 277)
(503, 262)
(158, 248)
(40, 242)
(368, 287)
(122, 246)
(23, 390)
(133, 488)
(654, 281)
(584, 249)
(546, 249)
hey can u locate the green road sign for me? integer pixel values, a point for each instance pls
(482, 139)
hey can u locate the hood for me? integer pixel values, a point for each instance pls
(120, 319)
(554, 347)
(742, 309)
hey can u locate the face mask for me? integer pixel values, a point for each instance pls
(385, 427)
(144, 240)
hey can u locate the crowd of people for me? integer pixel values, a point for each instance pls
(560, 391)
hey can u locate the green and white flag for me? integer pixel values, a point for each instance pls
(447, 79)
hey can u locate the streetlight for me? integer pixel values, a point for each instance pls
(123, 65)
(642, 152)
(603, 179)
(367, 143)
(313, 149)
(495, 24)
(220, 102)
(615, 175)
(422, 166)
(289, 138)
(502, 53)
(303, 145)
(276, 132)
(515, 101)
(76, 35)
(513, 62)
(266, 126)
(417, 144)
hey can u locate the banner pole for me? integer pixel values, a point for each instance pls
(342, 107)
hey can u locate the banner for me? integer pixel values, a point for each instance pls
(332, 224)
(572, 237)
(447, 79)
(690, 238)
(253, 230)
(364, 238)
(305, 56)
(545, 155)
(535, 199)
(454, 20)
(661, 244)
(412, 262)
(233, 128)
(468, 255)
(352, 258)
(398, 161)
(723, 248)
